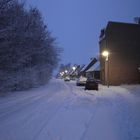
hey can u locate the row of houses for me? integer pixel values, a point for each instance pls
(92, 69)
(120, 63)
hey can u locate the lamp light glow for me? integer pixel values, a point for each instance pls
(105, 53)
(73, 68)
(66, 71)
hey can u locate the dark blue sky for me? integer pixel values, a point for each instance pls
(77, 23)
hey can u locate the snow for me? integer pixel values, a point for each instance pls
(63, 111)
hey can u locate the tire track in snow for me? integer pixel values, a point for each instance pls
(22, 104)
(43, 127)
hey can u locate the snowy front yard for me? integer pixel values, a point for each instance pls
(62, 111)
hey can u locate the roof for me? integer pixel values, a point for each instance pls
(86, 67)
(95, 67)
(83, 67)
(115, 25)
(112, 25)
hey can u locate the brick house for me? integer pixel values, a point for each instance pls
(122, 41)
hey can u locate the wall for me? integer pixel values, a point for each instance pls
(123, 43)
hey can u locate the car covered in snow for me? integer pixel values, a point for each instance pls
(67, 78)
(91, 84)
(81, 81)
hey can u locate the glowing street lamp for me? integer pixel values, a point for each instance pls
(74, 68)
(66, 71)
(106, 54)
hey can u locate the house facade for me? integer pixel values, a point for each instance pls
(122, 42)
(94, 71)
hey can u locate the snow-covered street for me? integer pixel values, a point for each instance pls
(63, 111)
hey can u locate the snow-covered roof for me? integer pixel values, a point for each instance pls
(92, 62)
(95, 67)
(83, 68)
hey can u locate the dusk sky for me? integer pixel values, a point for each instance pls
(77, 23)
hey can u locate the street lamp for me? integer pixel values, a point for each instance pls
(66, 71)
(106, 54)
(74, 68)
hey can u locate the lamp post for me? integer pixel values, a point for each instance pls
(106, 54)
(73, 72)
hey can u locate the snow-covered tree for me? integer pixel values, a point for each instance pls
(28, 52)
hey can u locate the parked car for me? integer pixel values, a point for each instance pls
(91, 84)
(67, 78)
(73, 78)
(81, 81)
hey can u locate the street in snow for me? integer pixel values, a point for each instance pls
(63, 111)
